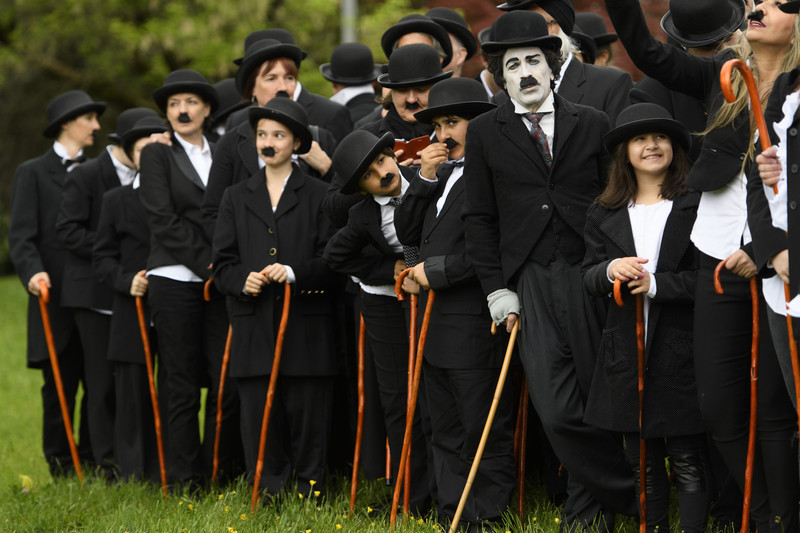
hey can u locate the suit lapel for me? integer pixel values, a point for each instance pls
(515, 131)
(289, 196)
(55, 169)
(108, 172)
(675, 240)
(258, 200)
(571, 80)
(247, 148)
(185, 165)
(455, 192)
(566, 121)
(618, 228)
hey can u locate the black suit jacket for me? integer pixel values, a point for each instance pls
(670, 392)
(77, 227)
(171, 192)
(361, 105)
(511, 194)
(121, 248)
(34, 246)
(458, 336)
(321, 111)
(236, 159)
(249, 237)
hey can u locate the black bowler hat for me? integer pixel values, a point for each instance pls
(67, 106)
(518, 29)
(594, 26)
(287, 112)
(356, 153)
(351, 64)
(456, 96)
(144, 127)
(261, 51)
(412, 66)
(279, 34)
(586, 44)
(643, 118)
(185, 81)
(563, 11)
(230, 99)
(696, 23)
(417, 24)
(127, 119)
(454, 23)
(793, 6)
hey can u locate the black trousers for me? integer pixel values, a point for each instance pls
(93, 328)
(299, 430)
(54, 437)
(559, 336)
(191, 342)
(723, 335)
(458, 403)
(387, 342)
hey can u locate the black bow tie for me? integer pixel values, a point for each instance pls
(67, 162)
(456, 163)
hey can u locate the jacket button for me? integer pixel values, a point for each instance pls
(427, 241)
(793, 132)
(794, 168)
(273, 251)
(270, 230)
(545, 208)
(741, 157)
(792, 205)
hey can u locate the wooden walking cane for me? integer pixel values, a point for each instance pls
(362, 334)
(498, 391)
(751, 440)
(640, 367)
(44, 298)
(763, 134)
(226, 356)
(412, 354)
(273, 381)
(415, 391)
(522, 418)
(148, 359)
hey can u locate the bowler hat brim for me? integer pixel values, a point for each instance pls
(695, 40)
(417, 25)
(470, 109)
(300, 131)
(129, 139)
(461, 32)
(384, 80)
(51, 131)
(506, 6)
(549, 42)
(351, 185)
(203, 90)
(676, 131)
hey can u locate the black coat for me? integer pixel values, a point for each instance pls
(361, 105)
(120, 251)
(670, 393)
(249, 237)
(171, 192)
(401, 129)
(34, 246)
(511, 194)
(458, 336)
(77, 226)
(329, 115)
(236, 159)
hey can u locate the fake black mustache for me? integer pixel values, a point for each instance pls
(184, 118)
(387, 179)
(755, 15)
(450, 143)
(412, 106)
(528, 82)
(268, 151)
(282, 94)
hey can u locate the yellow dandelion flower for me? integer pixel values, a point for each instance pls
(234, 492)
(534, 519)
(338, 526)
(369, 509)
(372, 524)
(308, 531)
(420, 521)
(226, 508)
(230, 529)
(316, 493)
(191, 506)
(557, 520)
(312, 482)
(344, 515)
(180, 503)
(300, 495)
(220, 496)
(243, 516)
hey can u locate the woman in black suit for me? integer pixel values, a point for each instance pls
(723, 231)
(271, 231)
(191, 332)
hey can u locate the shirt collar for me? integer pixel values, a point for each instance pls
(348, 93)
(190, 148)
(61, 151)
(547, 106)
(297, 90)
(124, 172)
(384, 200)
(563, 70)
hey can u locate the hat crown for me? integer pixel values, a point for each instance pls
(128, 119)
(455, 91)
(290, 108)
(699, 17)
(591, 23)
(643, 111)
(66, 101)
(153, 121)
(352, 60)
(446, 14)
(415, 61)
(184, 75)
(519, 26)
(278, 34)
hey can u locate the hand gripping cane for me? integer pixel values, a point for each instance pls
(44, 298)
(763, 134)
(498, 391)
(362, 333)
(273, 381)
(640, 366)
(415, 391)
(751, 441)
(148, 359)
(226, 356)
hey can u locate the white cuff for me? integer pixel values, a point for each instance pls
(651, 293)
(608, 270)
(289, 274)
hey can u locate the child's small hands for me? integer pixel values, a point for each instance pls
(641, 285)
(628, 268)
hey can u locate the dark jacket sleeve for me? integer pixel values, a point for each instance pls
(229, 272)
(349, 252)
(220, 177)
(106, 254)
(595, 263)
(74, 214)
(24, 231)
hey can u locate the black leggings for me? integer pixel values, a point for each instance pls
(723, 334)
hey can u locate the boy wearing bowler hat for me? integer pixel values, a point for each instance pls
(38, 255)
(368, 249)
(462, 358)
(352, 72)
(534, 166)
(91, 300)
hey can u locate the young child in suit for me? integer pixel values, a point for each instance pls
(638, 232)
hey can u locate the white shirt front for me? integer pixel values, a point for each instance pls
(125, 173)
(547, 122)
(61, 151)
(348, 93)
(451, 181)
(721, 225)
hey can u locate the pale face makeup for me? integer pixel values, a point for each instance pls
(527, 76)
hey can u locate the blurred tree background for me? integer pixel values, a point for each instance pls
(119, 51)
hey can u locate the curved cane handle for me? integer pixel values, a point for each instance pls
(398, 284)
(44, 291)
(207, 289)
(752, 89)
(717, 284)
(618, 293)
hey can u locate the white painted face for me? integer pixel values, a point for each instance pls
(527, 76)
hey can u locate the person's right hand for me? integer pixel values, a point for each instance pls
(740, 264)
(33, 283)
(139, 284)
(432, 156)
(769, 166)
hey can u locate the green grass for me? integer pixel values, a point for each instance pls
(31, 502)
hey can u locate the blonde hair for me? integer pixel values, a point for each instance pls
(727, 112)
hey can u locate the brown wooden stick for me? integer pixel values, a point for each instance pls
(362, 333)
(44, 298)
(498, 391)
(523, 444)
(273, 381)
(223, 373)
(412, 354)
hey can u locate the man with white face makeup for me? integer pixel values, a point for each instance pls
(533, 167)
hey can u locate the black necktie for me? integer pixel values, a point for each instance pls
(410, 253)
(67, 162)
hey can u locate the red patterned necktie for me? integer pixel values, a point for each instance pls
(541, 139)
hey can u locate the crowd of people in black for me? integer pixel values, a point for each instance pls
(531, 196)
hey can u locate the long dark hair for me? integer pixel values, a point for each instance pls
(621, 187)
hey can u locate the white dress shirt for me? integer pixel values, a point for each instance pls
(61, 151)
(125, 173)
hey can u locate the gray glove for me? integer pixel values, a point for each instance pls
(502, 302)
